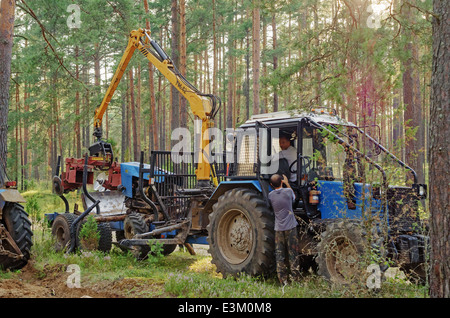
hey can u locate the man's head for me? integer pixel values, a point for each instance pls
(275, 181)
(284, 142)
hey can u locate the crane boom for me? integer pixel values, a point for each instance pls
(203, 106)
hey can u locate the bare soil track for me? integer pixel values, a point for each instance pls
(51, 282)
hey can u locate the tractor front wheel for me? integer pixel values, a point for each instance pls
(241, 234)
(19, 227)
(341, 252)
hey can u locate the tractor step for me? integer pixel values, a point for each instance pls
(130, 243)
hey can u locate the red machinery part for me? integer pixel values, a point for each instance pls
(10, 184)
(72, 177)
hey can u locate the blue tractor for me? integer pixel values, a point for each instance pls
(347, 211)
(224, 202)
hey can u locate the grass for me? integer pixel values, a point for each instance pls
(180, 274)
(194, 276)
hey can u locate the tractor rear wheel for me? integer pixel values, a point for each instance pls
(19, 227)
(241, 234)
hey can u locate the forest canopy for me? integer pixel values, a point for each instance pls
(368, 59)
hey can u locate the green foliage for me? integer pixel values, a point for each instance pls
(89, 235)
(325, 55)
(33, 209)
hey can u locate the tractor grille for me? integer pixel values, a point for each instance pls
(172, 175)
(403, 210)
(246, 157)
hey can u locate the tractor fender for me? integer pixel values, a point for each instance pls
(224, 186)
(11, 195)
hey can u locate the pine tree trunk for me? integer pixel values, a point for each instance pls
(6, 34)
(77, 108)
(229, 110)
(247, 79)
(275, 60)
(124, 127)
(154, 125)
(16, 159)
(26, 108)
(135, 147)
(215, 62)
(439, 186)
(411, 101)
(175, 111)
(256, 55)
(138, 111)
(265, 102)
(183, 101)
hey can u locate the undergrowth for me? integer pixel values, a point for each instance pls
(181, 274)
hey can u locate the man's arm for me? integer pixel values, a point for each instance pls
(286, 182)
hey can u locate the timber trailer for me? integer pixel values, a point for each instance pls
(221, 199)
(15, 227)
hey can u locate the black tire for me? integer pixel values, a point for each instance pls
(342, 252)
(133, 224)
(105, 240)
(168, 249)
(19, 227)
(241, 234)
(61, 230)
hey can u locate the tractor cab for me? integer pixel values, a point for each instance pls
(291, 144)
(324, 157)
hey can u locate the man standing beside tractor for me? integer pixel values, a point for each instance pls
(286, 235)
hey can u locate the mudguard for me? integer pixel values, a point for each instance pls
(11, 195)
(224, 186)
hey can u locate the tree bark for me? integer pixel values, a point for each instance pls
(215, 62)
(264, 67)
(77, 108)
(275, 60)
(183, 101)
(175, 111)
(247, 79)
(256, 55)
(411, 100)
(154, 124)
(439, 174)
(6, 36)
(136, 148)
(229, 110)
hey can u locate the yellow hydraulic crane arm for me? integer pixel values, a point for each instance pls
(203, 106)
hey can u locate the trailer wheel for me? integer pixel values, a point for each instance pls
(241, 234)
(61, 230)
(19, 227)
(133, 224)
(105, 240)
(340, 252)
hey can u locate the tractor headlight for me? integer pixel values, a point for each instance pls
(421, 190)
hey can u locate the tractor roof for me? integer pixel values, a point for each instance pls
(288, 117)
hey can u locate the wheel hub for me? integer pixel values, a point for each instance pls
(240, 236)
(342, 259)
(235, 236)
